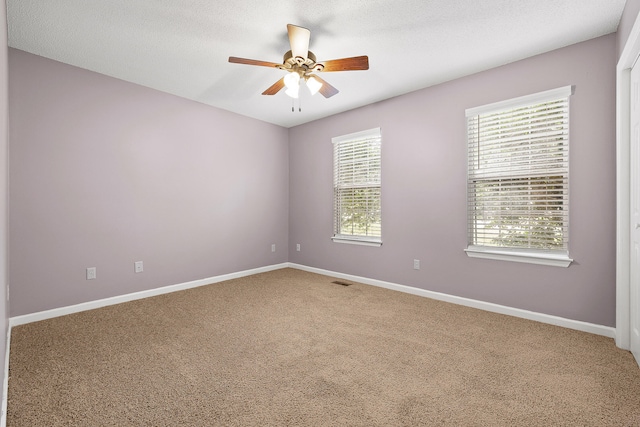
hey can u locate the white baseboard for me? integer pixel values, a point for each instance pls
(62, 311)
(606, 331)
(592, 328)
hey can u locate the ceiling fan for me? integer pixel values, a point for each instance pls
(301, 65)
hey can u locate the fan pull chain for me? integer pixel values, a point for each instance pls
(293, 103)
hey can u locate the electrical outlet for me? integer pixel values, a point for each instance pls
(298, 247)
(91, 273)
(416, 264)
(137, 266)
(273, 247)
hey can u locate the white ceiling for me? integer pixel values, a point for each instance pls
(182, 46)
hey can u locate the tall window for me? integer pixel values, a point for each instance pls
(518, 178)
(356, 188)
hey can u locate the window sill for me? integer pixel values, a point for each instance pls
(356, 241)
(555, 259)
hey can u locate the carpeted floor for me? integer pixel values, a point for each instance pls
(290, 348)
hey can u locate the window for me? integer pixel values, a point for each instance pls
(518, 179)
(356, 188)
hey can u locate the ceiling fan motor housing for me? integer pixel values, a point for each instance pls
(302, 66)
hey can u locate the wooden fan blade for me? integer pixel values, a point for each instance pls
(346, 64)
(274, 88)
(326, 90)
(299, 40)
(235, 60)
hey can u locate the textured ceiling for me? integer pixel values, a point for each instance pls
(182, 46)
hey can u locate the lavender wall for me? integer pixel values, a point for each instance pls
(424, 189)
(105, 173)
(631, 10)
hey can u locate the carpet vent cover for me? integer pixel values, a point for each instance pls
(337, 282)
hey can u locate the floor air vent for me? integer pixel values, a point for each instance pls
(337, 282)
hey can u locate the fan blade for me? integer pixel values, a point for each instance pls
(346, 64)
(326, 90)
(274, 88)
(235, 60)
(299, 40)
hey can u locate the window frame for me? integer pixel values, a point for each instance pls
(357, 239)
(551, 257)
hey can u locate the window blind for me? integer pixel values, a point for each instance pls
(357, 186)
(518, 173)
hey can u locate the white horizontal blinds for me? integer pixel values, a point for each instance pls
(356, 183)
(518, 174)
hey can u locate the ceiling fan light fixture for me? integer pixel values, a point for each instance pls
(292, 80)
(293, 92)
(313, 85)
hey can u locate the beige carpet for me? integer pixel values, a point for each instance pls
(289, 348)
